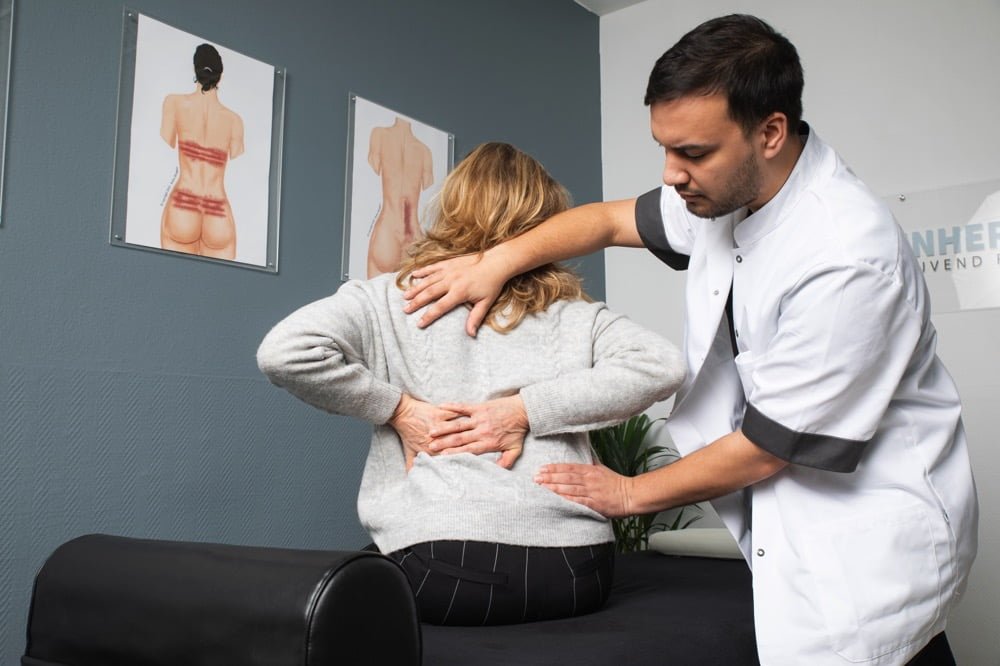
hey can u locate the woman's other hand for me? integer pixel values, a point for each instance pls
(413, 421)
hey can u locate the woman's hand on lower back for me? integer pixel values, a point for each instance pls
(413, 421)
(494, 426)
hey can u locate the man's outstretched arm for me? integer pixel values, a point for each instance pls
(726, 465)
(477, 280)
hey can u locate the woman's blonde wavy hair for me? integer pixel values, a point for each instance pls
(496, 193)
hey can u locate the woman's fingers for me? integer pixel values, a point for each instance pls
(444, 428)
(509, 457)
(458, 407)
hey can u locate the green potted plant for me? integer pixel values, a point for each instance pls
(623, 448)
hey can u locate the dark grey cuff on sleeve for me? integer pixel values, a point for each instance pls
(649, 224)
(832, 454)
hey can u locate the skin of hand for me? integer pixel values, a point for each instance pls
(594, 486)
(729, 463)
(498, 425)
(474, 279)
(413, 420)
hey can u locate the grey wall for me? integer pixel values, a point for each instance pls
(130, 402)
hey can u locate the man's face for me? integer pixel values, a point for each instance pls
(709, 161)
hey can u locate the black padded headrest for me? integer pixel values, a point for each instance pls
(102, 600)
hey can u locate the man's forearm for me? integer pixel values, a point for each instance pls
(728, 464)
(477, 280)
(572, 233)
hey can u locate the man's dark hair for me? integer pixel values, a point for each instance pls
(740, 56)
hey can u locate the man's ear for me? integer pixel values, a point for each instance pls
(773, 132)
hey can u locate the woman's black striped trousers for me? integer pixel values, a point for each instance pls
(479, 583)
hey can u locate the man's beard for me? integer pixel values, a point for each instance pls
(744, 187)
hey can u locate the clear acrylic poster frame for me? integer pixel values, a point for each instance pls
(119, 201)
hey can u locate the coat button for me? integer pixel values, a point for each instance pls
(739, 259)
(760, 552)
(715, 293)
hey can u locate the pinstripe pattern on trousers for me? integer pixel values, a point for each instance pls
(481, 583)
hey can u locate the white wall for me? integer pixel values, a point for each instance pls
(909, 93)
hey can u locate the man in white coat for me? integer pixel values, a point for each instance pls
(815, 414)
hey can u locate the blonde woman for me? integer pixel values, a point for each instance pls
(480, 541)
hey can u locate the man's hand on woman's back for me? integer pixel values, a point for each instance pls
(474, 280)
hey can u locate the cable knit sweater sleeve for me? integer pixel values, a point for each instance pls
(327, 353)
(632, 369)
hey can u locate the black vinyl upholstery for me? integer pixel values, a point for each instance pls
(103, 600)
(663, 610)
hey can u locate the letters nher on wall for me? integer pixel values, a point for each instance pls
(955, 235)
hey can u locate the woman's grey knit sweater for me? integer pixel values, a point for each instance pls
(576, 366)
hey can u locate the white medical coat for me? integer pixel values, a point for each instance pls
(861, 547)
